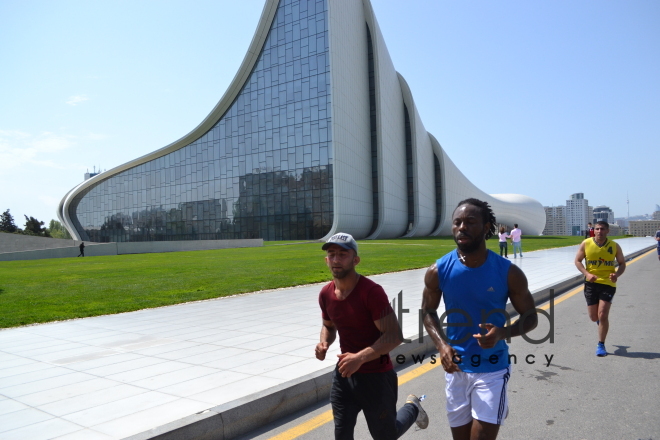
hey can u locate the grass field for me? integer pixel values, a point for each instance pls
(49, 290)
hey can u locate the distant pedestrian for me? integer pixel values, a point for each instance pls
(600, 278)
(590, 231)
(657, 238)
(82, 249)
(364, 380)
(516, 235)
(504, 247)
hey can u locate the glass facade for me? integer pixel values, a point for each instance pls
(263, 171)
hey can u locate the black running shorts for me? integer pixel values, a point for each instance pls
(593, 292)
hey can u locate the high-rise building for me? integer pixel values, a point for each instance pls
(603, 213)
(317, 133)
(578, 214)
(555, 220)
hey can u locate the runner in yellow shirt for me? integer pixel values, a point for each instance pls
(600, 276)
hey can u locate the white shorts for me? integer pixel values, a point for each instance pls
(480, 396)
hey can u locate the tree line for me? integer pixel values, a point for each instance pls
(32, 227)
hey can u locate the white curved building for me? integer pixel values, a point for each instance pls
(317, 133)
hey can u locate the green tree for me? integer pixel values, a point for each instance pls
(7, 222)
(35, 227)
(56, 230)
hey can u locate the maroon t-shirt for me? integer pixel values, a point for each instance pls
(354, 318)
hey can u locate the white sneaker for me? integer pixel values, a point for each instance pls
(422, 418)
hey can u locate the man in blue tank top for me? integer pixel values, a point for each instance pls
(476, 284)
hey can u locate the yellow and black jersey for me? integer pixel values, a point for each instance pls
(601, 260)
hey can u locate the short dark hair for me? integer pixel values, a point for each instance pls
(486, 212)
(603, 223)
(515, 225)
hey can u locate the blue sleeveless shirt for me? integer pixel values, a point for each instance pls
(473, 296)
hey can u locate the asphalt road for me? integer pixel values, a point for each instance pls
(576, 396)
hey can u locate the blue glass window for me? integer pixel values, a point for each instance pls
(264, 170)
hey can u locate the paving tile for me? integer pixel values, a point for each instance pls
(32, 376)
(90, 417)
(13, 370)
(21, 418)
(22, 388)
(184, 353)
(112, 358)
(91, 399)
(150, 418)
(241, 359)
(289, 346)
(10, 360)
(235, 390)
(9, 405)
(263, 365)
(44, 397)
(121, 367)
(299, 369)
(166, 348)
(203, 383)
(85, 434)
(45, 430)
(148, 371)
(241, 341)
(174, 377)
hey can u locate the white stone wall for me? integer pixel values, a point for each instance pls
(351, 138)
(392, 186)
(423, 169)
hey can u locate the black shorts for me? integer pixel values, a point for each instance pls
(593, 292)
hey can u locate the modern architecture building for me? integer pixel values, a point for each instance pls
(317, 133)
(555, 221)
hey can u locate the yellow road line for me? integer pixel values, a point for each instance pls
(326, 417)
(305, 427)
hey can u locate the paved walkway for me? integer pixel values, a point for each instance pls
(115, 376)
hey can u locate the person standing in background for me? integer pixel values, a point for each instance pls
(504, 247)
(590, 231)
(516, 235)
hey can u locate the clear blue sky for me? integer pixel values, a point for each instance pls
(538, 98)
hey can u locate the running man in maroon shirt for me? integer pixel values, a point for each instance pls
(364, 378)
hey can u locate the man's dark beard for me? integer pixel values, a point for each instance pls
(341, 274)
(467, 248)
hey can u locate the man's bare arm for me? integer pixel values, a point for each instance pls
(430, 303)
(328, 336)
(621, 261)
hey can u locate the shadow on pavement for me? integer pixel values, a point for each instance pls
(622, 350)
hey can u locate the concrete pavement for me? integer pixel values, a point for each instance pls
(216, 368)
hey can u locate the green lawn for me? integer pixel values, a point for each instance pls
(49, 290)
